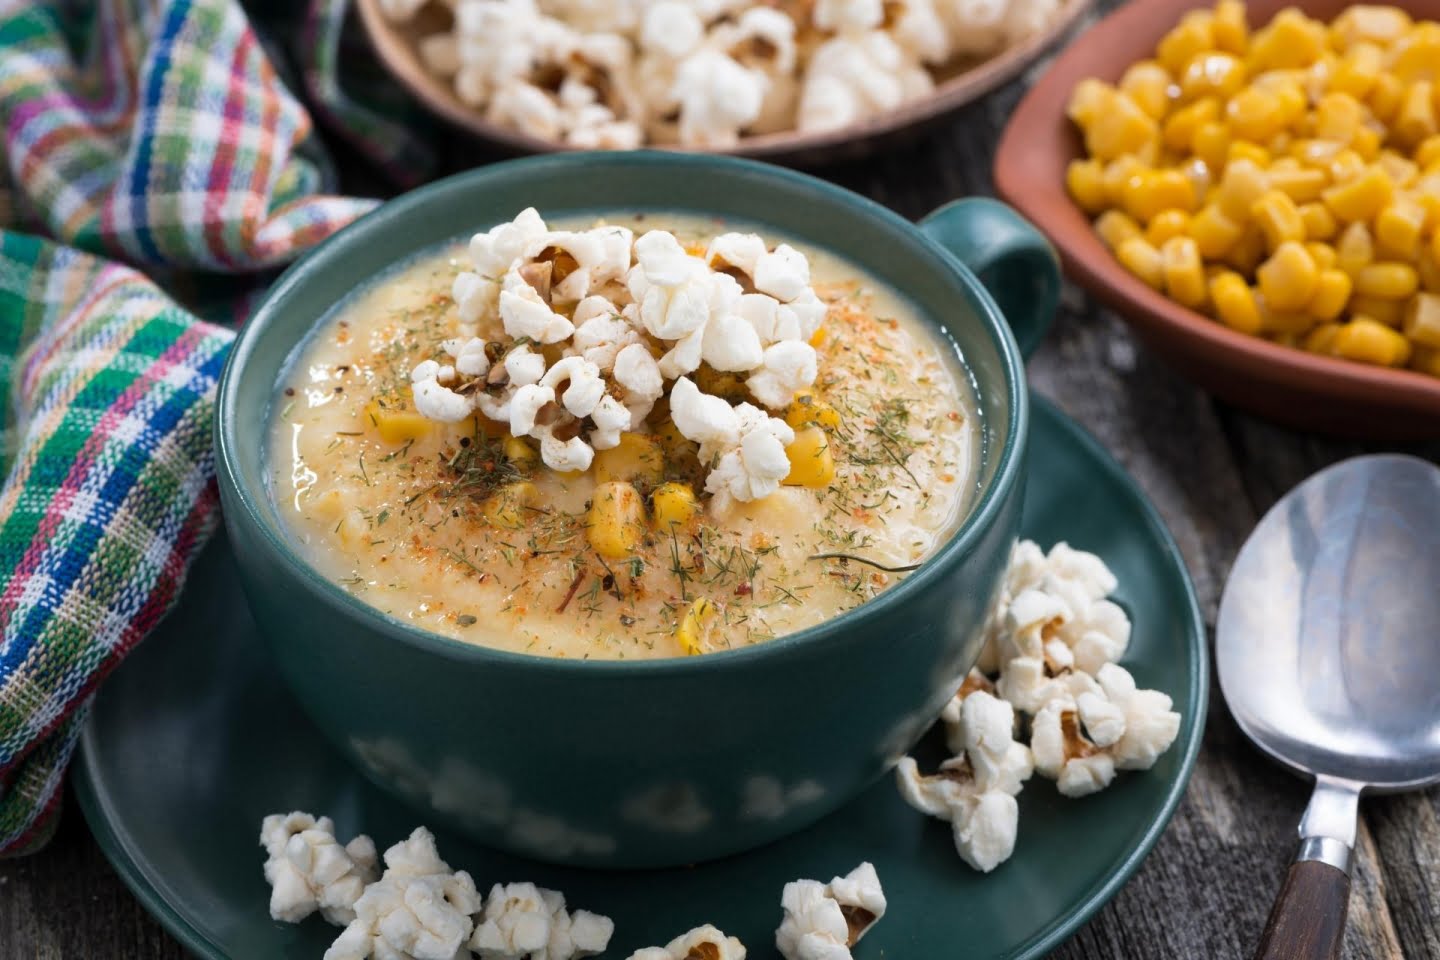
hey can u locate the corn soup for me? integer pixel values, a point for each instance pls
(632, 546)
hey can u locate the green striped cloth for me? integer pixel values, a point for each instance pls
(160, 135)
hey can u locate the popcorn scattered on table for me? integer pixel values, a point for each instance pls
(606, 299)
(418, 909)
(704, 942)
(308, 870)
(823, 921)
(616, 75)
(1050, 646)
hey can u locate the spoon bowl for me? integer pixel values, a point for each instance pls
(1328, 653)
(1327, 643)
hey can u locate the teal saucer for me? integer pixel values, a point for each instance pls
(195, 739)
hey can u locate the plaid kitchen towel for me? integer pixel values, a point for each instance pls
(160, 134)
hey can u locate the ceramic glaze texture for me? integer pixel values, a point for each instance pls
(418, 525)
(639, 764)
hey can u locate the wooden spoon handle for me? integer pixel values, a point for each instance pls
(1308, 919)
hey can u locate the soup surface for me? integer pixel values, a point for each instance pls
(463, 530)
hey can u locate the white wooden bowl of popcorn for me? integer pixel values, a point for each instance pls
(801, 81)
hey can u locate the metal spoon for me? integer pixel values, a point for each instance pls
(1328, 647)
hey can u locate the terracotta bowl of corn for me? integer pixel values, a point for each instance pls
(1256, 188)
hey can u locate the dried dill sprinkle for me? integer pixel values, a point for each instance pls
(466, 620)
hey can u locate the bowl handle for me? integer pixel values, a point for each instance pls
(1012, 259)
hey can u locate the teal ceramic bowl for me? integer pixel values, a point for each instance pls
(664, 762)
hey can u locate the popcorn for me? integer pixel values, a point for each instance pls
(718, 98)
(1052, 638)
(607, 377)
(618, 74)
(852, 78)
(435, 400)
(527, 108)
(308, 870)
(975, 790)
(822, 922)
(788, 366)
(523, 921)
(706, 942)
(671, 29)
(848, 16)
(418, 909)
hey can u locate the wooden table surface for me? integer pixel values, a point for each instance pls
(1212, 472)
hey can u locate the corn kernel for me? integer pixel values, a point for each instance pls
(694, 627)
(1386, 97)
(1358, 70)
(1387, 281)
(1167, 224)
(1115, 227)
(1366, 144)
(1184, 275)
(1244, 150)
(1386, 311)
(1337, 117)
(1290, 40)
(1235, 303)
(1369, 341)
(1229, 30)
(1248, 251)
(1118, 174)
(1287, 280)
(1088, 100)
(1148, 84)
(508, 506)
(636, 459)
(1369, 24)
(1086, 182)
(1422, 320)
(1427, 154)
(1415, 56)
(1301, 184)
(1416, 119)
(1402, 171)
(1361, 198)
(518, 451)
(1143, 260)
(1315, 153)
(1254, 115)
(1214, 232)
(1193, 35)
(1158, 190)
(807, 408)
(1398, 228)
(674, 506)
(1211, 143)
(1212, 75)
(1319, 221)
(1429, 270)
(1121, 128)
(811, 463)
(1332, 291)
(395, 425)
(1321, 339)
(1278, 217)
(1426, 360)
(1285, 326)
(1323, 254)
(1244, 183)
(615, 523)
(1346, 166)
(1179, 130)
(1356, 248)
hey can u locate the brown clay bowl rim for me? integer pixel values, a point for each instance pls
(1029, 173)
(399, 58)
